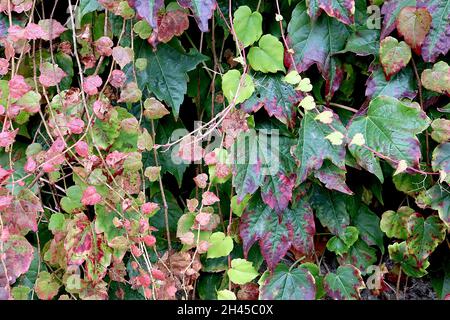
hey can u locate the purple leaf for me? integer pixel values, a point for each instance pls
(202, 9)
(148, 9)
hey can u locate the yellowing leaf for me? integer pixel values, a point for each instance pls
(401, 167)
(325, 117)
(358, 140)
(292, 77)
(308, 103)
(336, 138)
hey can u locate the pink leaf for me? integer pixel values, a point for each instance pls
(82, 148)
(51, 29)
(209, 198)
(91, 84)
(90, 196)
(203, 217)
(104, 46)
(201, 180)
(51, 74)
(122, 56)
(7, 138)
(149, 208)
(76, 125)
(18, 87)
(118, 78)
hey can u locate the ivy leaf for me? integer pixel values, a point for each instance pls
(247, 25)
(342, 243)
(390, 128)
(414, 24)
(173, 23)
(46, 286)
(255, 156)
(342, 10)
(394, 223)
(359, 255)
(390, 11)
(437, 41)
(259, 222)
(438, 78)
(268, 56)
(166, 72)
(394, 56)
(301, 220)
(368, 224)
(285, 284)
(438, 198)
(424, 235)
(333, 177)
(242, 271)
(278, 98)
(57, 222)
(316, 43)
(230, 86)
(313, 147)
(345, 284)
(441, 130)
(330, 208)
(363, 42)
(87, 6)
(410, 264)
(148, 9)
(21, 216)
(202, 9)
(226, 294)
(219, 245)
(441, 160)
(401, 85)
(276, 187)
(17, 255)
(72, 200)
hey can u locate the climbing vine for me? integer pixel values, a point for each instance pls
(229, 149)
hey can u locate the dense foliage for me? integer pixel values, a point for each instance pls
(229, 149)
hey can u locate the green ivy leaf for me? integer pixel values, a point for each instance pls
(285, 284)
(359, 255)
(166, 72)
(313, 147)
(268, 56)
(57, 222)
(226, 294)
(342, 10)
(438, 78)
(394, 56)
(400, 85)
(345, 284)
(46, 286)
(316, 42)
(342, 243)
(219, 245)
(441, 161)
(231, 83)
(410, 264)
(390, 128)
(242, 271)
(247, 25)
(394, 223)
(330, 208)
(277, 96)
(72, 200)
(424, 235)
(368, 224)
